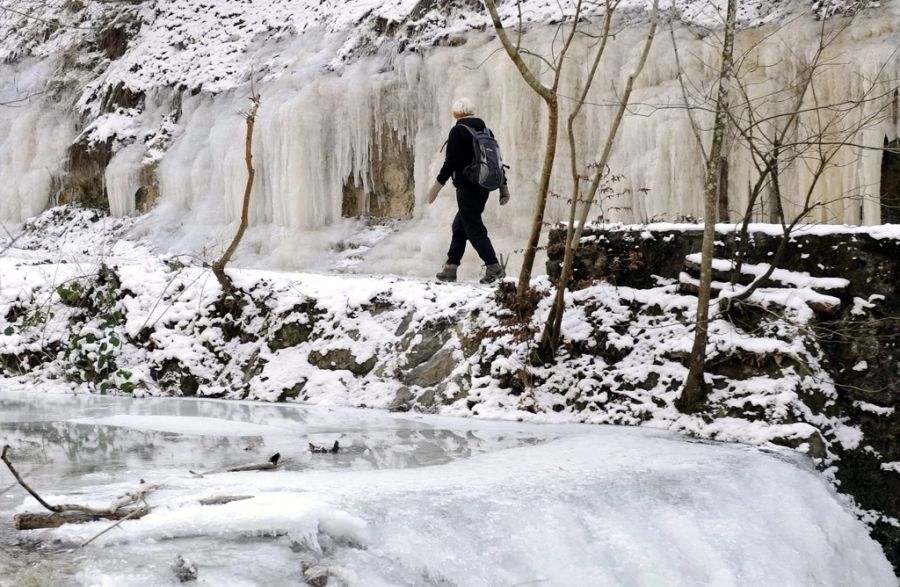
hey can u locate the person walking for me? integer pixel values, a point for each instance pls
(470, 197)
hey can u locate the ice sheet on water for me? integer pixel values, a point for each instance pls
(116, 436)
(590, 505)
(185, 425)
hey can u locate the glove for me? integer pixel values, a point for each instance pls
(433, 192)
(504, 195)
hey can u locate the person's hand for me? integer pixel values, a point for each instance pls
(433, 192)
(504, 195)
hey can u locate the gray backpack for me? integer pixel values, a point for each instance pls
(487, 170)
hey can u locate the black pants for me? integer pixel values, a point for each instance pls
(467, 226)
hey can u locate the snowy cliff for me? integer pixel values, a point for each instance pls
(136, 107)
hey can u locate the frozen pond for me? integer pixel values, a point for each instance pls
(411, 500)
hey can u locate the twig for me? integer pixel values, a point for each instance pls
(131, 514)
(8, 487)
(71, 513)
(24, 485)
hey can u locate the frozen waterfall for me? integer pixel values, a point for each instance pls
(320, 131)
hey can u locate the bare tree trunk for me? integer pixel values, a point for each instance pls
(723, 190)
(552, 328)
(694, 393)
(219, 266)
(546, 350)
(550, 97)
(540, 205)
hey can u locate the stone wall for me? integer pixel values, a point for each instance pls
(860, 341)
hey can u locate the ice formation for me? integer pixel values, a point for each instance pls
(34, 135)
(421, 500)
(323, 116)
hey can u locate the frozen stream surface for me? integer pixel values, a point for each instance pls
(412, 500)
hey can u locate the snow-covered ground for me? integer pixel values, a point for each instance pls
(83, 309)
(415, 500)
(619, 365)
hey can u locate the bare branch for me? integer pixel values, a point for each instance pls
(516, 56)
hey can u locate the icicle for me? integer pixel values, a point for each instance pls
(34, 135)
(122, 178)
(318, 129)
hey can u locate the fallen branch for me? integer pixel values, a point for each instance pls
(272, 463)
(32, 521)
(132, 497)
(74, 513)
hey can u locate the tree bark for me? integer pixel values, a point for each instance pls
(32, 521)
(694, 393)
(219, 266)
(723, 190)
(540, 205)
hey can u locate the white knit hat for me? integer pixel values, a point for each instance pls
(463, 107)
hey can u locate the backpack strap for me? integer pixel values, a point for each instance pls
(475, 132)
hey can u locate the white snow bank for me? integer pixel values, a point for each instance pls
(872, 408)
(785, 276)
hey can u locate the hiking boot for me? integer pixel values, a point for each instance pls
(492, 273)
(448, 273)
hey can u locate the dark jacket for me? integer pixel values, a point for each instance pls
(460, 152)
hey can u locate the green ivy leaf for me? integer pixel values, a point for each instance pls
(9, 331)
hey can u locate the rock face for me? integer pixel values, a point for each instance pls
(421, 345)
(290, 334)
(341, 360)
(434, 370)
(391, 188)
(624, 257)
(127, 55)
(402, 401)
(146, 196)
(172, 374)
(83, 180)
